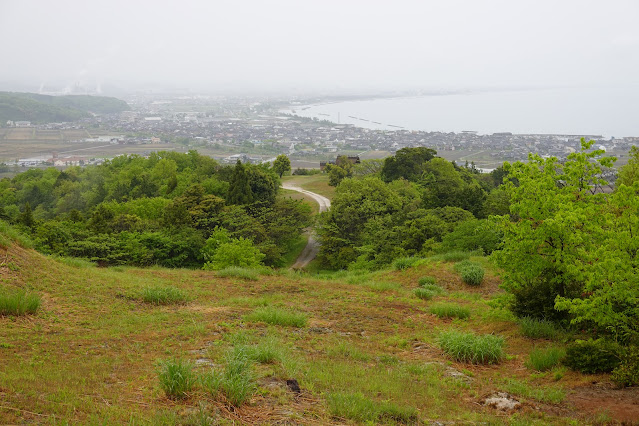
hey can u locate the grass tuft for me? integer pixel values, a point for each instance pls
(468, 347)
(402, 263)
(547, 394)
(277, 316)
(164, 295)
(248, 274)
(538, 328)
(18, 302)
(545, 359)
(176, 378)
(472, 273)
(428, 291)
(355, 406)
(424, 281)
(450, 310)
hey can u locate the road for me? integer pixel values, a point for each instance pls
(312, 247)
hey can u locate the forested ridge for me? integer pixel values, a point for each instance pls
(16, 106)
(157, 210)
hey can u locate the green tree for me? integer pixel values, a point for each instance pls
(629, 174)
(26, 218)
(559, 224)
(239, 186)
(407, 163)
(281, 164)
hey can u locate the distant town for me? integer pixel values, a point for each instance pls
(257, 130)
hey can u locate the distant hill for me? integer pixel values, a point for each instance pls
(36, 108)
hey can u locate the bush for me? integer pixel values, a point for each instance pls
(18, 302)
(474, 234)
(592, 356)
(627, 373)
(538, 328)
(234, 252)
(468, 347)
(472, 273)
(164, 295)
(423, 281)
(276, 316)
(176, 378)
(536, 299)
(450, 310)
(545, 359)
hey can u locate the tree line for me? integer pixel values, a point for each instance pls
(157, 210)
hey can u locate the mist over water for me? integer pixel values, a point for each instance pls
(593, 111)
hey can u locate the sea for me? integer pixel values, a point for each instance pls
(609, 112)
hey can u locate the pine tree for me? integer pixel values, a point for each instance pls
(239, 188)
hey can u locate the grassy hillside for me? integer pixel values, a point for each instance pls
(43, 108)
(363, 348)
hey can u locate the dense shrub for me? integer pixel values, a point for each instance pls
(592, 356)
(474, 235)
(627, 373)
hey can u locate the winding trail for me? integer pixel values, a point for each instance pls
(312, 247)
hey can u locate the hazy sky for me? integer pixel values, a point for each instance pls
(326, 45)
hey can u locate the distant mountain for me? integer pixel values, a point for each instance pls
(36, 108)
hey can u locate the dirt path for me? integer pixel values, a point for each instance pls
(312, 247)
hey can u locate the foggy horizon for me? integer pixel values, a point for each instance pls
(287, 46)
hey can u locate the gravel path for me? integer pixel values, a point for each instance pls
(312, 247)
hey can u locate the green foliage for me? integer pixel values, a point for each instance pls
(356, 407)
(236, 252)
(468, 347)
(629, 174)
(571, 247)
(150, 211)
(176, 378)
(407, 163)
(426, 293)
(545, 359)
(450, 310)
(536, 328)
(18, 302)
(166, 295)
(627, 373)
(592, 356)
(472, 273)
(281, 165)
(239, 187)
(471, 235)
(277, 316)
